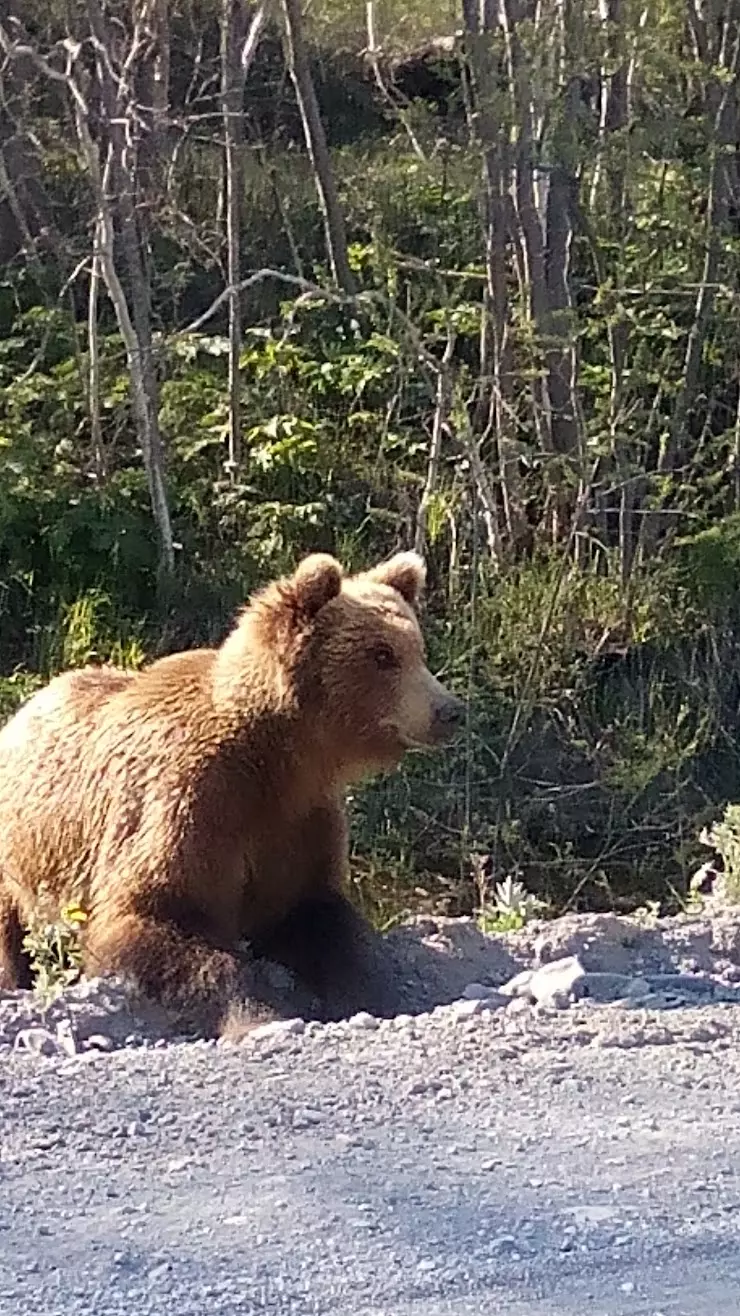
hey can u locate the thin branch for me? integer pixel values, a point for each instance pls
(313, 129)
(93, 349)
(235, 64)
(439, 425)
(392, 97)
(38, 355)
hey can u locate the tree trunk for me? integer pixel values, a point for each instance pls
(718, 48)
(115, 193)
(93, 356)
(313, 128)
(439, 424)
(488, 128)
(545, 269)
(612, 161)
(238, 47)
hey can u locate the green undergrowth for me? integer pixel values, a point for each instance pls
(602, 729)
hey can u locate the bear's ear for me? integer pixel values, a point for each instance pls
(316, 581)
(406, 573)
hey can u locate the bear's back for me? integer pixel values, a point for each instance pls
(98, 757)
(42, 751)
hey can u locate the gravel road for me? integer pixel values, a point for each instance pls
(575, 1163)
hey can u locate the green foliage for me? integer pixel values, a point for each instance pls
(603, 692)
(597, 715)
(52, 943)
(15, 689)
(511, 908)
(724, 837)
(709, 562)
(65, 531)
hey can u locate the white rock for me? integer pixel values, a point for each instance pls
(39, 1042)
(277, 1028)
(546, 984)
(66, 1037)
(99, 1042)
(363, 1022)
(466, 1009)
(519, 984)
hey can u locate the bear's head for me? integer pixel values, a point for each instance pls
(347, 656)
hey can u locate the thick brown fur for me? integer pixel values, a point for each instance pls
(199, 803)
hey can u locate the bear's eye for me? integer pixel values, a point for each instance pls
(384, 657)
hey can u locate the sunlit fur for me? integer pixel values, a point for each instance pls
(200, 802)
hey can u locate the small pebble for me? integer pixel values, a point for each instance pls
(99, 1042)
(179, 1163)
(277, 1028)
(467, 1008)
(39, 1042)
(304, 1119)
(503, 1243)
(158, 1273)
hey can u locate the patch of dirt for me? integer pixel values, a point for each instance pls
(434, 960)
(437, 957)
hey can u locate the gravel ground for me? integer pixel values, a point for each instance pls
(507, 1158)
(584, 1161)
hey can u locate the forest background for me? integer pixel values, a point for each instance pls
(465, 277)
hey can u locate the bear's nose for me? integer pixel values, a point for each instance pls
(451, 713)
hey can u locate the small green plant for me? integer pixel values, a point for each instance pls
(690, 901)
(14, 689)
(52, 943)
(511, 908)
(647, 915)
(724, 837)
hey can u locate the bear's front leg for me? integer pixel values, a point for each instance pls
(335, 954)
(330, 949)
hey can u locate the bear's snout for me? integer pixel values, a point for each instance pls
(449, 716)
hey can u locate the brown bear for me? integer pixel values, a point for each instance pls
(196, 807)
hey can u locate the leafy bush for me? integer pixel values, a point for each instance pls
(724, 837)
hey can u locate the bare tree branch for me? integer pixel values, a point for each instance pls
(238, 48)
(93, 374)
(313, 128)
(392, 98)
(113, 184)
(439, 426)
